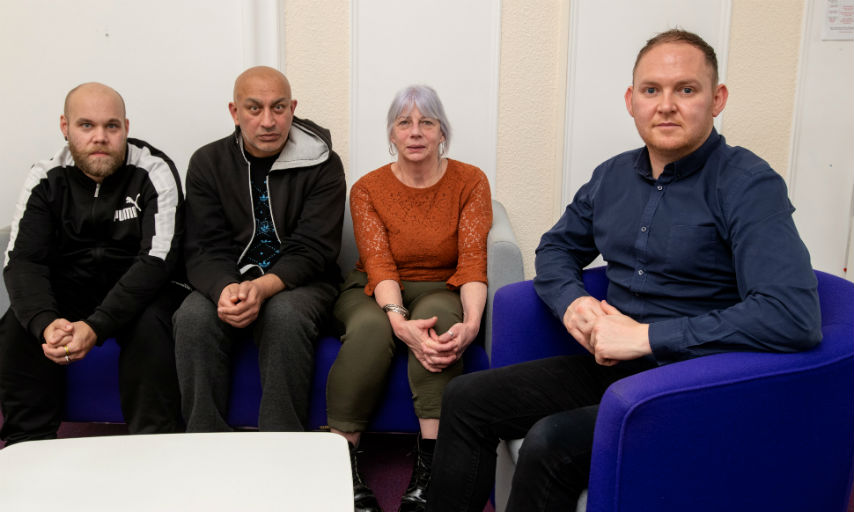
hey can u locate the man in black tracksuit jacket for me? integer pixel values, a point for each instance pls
(94, 243)
(265, 207)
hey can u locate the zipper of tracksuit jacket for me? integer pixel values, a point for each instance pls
(97, 249)
(95, 198)
(270, 203)
(252, 205)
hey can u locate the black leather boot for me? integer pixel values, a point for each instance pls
(363, 497)
(415, 497)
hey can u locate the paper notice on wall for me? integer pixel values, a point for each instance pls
(838, 20)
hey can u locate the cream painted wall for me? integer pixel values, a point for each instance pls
(765, 40)
(317, 63)
(531, 117)
(763, 61)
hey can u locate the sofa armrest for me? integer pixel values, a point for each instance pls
(503, 263)
(524, 329)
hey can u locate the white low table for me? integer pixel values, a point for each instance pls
(255, 471)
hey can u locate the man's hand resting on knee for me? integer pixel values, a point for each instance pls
(66, 342)
(240, 303)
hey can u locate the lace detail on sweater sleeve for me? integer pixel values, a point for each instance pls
(371, 239)
(474, 226)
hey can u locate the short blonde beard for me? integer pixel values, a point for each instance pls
(103, 169)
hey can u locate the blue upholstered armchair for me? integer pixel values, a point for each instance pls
(736, 431)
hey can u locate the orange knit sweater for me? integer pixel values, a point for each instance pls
(436, 233)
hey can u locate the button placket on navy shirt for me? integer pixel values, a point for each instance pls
(639, 278)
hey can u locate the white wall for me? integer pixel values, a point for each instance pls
(605, 39)
(822, 171)
(450, 45)
(173, 62)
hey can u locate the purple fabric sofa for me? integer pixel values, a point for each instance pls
(92, 383)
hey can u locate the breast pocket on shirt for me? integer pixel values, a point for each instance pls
(693, 251)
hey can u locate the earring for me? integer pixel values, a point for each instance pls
(391, 149)
(442, 148)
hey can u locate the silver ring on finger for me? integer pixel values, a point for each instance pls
(67, 359)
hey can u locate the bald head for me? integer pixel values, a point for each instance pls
(260, 77)
(263, 109)
(95, 126)
(87, 91)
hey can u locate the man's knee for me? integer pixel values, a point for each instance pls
(192, 324)
(562, 436)
(21, 354)
(459, 394)
(541, 439)
(195, 310)
(293, 310)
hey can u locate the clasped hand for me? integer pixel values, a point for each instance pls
(239, 303)
(71, 339)
(435, 352)
(605, 332)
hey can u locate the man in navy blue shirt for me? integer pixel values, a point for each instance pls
(703, 257)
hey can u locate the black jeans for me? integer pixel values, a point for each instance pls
(552, 403)
(32, 387)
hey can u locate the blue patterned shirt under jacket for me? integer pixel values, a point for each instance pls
(265, 247)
